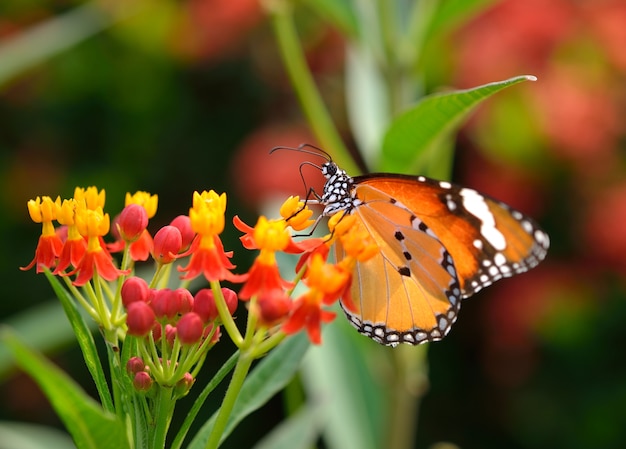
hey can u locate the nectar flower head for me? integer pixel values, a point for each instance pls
(296, 213)
(43, 209)
(207, 213)
(270, 235)
(92, 223)
(50, 246)
(90, 196)
(144, 199)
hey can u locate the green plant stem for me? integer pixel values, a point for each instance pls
(239, 375)
(197, 405)
(409, 385)
(116, 380)
(164, 409)
(225, 316)
(302, 80)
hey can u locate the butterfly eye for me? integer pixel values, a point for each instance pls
(329, 169)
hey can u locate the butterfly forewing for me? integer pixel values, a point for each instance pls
(409, 291)
(487, 239)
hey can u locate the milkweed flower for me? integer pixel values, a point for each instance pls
(75, 245)
(268, 236)
(207, 252)
(49, 247)
(326, 282)
(93, 224)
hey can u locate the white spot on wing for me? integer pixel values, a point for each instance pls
(475, 204)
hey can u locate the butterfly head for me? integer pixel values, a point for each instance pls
(339, 193)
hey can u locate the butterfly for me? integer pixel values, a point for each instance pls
(439, 243)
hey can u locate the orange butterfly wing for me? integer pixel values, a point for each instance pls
(487, 239)
(438, 242)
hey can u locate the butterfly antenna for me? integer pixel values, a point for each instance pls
(304, 148)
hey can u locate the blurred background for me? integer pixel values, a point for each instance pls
(175, 96)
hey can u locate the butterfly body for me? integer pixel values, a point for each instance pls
(438, 244)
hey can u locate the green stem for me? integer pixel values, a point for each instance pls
(164, 409)
(408, 387)
(302, 80)
(225, 316)
(239, 375)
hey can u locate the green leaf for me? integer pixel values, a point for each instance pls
(90, 426)
(337, 372)
(413, 139)
(452, 13)
(43, 326)
(85, 341)
(268, 378)
(300, 431)
(32, 436)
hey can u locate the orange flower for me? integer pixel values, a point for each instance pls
(93, 224)
(43, 210)
(207, 252)
(75, 245)
(327, 282)
(264, 276)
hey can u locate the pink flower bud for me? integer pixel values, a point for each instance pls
(140, 319)
(142, 381)
(135, 289)
(204, 305)
(190, 328)
(170, 334)
(183, 223)
(184, 300)
(167, 243)
(157, 331)
(135, 365)
(184, 385)
(273, 307)
(231, 300)
(165, 304)
(132, 221)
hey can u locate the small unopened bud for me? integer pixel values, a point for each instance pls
(167, 243)
(133, 220)
(204, 305)
(164, 304)
(183, 223)
(135, 289)
(135, 365)
(273, 307)
(232, 301)
(170, 334)
(140, 319)
(184, 385)
(189, 328)
(142, 381)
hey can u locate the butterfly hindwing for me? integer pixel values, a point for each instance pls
(409, 291)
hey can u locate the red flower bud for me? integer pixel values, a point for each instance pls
(273, 307)
(170, 334)
(140, 319)
(135, 365)
(184, 385)
(132, 221)
(204, 305)
(165, 304)
(232, 301)
(190, 328)
(167, 243)
(184, 300)
(135, 289)
(142, 381)
(183, 223)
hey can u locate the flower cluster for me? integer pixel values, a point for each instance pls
(171, 329)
